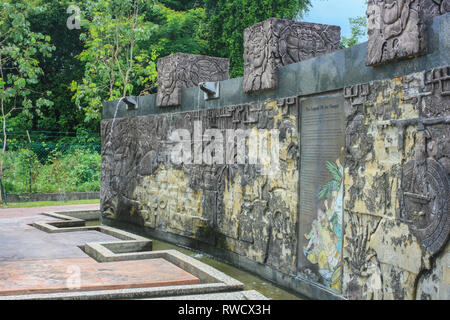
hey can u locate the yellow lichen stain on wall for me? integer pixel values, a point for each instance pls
(395, 245)
(251, 203)
(168, 201)
(388, 267)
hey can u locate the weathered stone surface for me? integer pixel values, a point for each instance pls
(396, 30)
(435, 283)
(434, 8)
(182, 70)
(234, 206)
(277, 42)
(396, 185)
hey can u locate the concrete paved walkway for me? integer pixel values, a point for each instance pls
(37, 210)
(33, 261)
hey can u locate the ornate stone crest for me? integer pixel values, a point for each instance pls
(396, 30)
(277, 42)
(182, 70)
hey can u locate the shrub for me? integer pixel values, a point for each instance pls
(75, 170)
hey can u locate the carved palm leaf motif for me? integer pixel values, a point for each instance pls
(358, 249)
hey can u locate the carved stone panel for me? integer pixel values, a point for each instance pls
(396, 30)
(182, 70)
(425, 203)
(434, 8)
(426, 178)
(277, 42)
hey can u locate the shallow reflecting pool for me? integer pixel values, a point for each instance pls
(250, 281)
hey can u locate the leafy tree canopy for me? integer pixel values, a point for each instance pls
(114, 52)
(227, 19)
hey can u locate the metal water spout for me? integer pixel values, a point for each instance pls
(131, 102)
(210, 89)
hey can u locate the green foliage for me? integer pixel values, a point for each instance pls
(20, 70)
(116, 61)
(75, 170)
(182, 5)
(334, 184)
(227, 19)
(60, 70)
(114, 52)
(177, 31)
(19, 165)
(359, 30)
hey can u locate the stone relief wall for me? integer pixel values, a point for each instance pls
(231, 206)
(380, 229)
(277, 42)
(397, 188)
(182, 70)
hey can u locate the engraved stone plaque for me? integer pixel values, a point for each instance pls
(278, 42)
(322, 140)
(396, 30)
(182, 70)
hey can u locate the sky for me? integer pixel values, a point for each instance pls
(336, 12)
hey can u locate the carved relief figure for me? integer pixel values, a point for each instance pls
(297, 42)
(167, 79)
(395, 30)
(278, 42)
(183, 70)
(257, 60)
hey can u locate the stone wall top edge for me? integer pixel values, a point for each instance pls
(348, 64)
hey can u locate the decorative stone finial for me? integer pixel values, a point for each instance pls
(278, 42)
(182, 70)
(396, 30)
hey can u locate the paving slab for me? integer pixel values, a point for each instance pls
(57, 275)
(37, 210)
(35, 244)
(38, 264)
(21, 241)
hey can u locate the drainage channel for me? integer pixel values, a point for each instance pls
(250, 281)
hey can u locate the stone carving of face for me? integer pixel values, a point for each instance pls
(205, 69)
(168, 79)
(309, 42)
(395, 15)
(392, 10)
(373, 18)
(257, 50)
